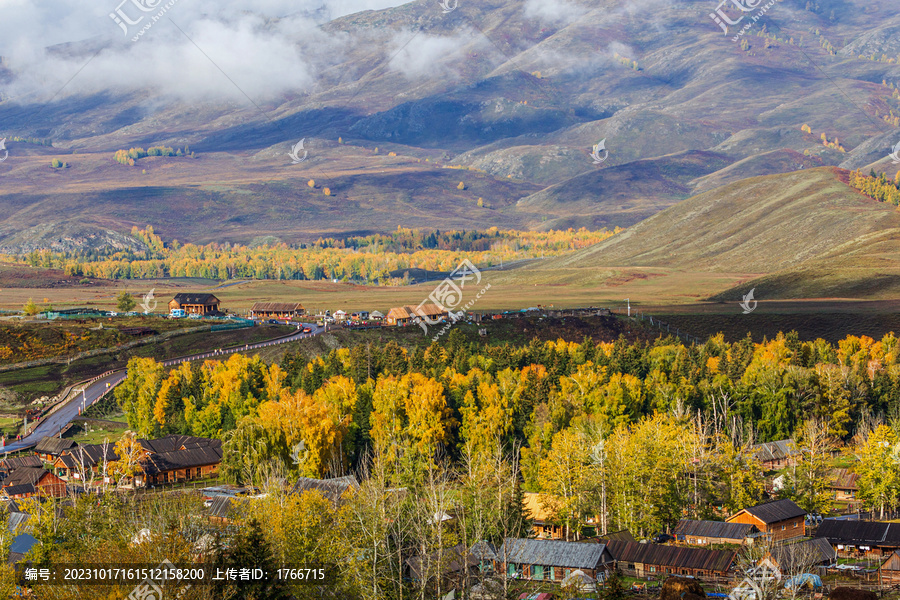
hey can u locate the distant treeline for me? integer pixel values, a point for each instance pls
(366, 259)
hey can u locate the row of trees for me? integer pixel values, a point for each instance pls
(574, 415)
(373, 258)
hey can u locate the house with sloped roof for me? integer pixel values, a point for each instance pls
(776, 455)
(551, 560)
(83, 462)
(843, 483)
(170, 459)
(48, 449)
(277, 310)
(541, 523)
(195, 304)
(25, 482)
(702, 533)
(404, 315)
(800, 557)
(779, 520)
(656, 560)
(856, 538)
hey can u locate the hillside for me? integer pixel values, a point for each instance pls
(512, 95)
(795, 235)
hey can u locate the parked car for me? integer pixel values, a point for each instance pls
(112, 314)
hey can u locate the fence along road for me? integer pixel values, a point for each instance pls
(94, 389)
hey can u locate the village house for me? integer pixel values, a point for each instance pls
(195, 304)
(277, 310)
(8, 465)
(171, 459)
(801, 557)
(24, 482)
(49, 448)
(843, 485)
(655, 560)
(551, 560)
(860, 538)
(404, 315)
(81, 463)
(779, 520)
(177, 458)
(701, 533)
(541, 524)
(776, 455)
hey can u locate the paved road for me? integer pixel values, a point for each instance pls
(53, 423)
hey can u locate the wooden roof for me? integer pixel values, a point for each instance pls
(774, 512)
(553, 553)
(844, 479)
(860, 533)
(278, 307)
(532, 502)
(189, 298)
(672, 556)
(409, 311)
(713, 529)
(53, 445)
(804, 554)
(777, 450)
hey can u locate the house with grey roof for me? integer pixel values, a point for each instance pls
(702, 533)
(776, 455)
(551, 560)
(658, 560)
(780, 520)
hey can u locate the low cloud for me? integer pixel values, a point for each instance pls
(262, 48)
(418, 55)
(553, 11)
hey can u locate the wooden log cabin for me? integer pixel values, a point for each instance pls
(277, 310)
(655, 560)
(779, 520)
(551, 560)
(195, 304)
